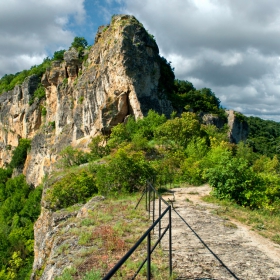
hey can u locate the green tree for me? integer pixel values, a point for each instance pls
(79, 43)
(72, 157)
(179, 131)
(125, 172)
(58, 55)
(20, 152)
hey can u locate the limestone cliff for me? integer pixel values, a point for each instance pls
(238, 129)
(120, 77)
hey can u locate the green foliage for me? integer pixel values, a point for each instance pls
(179, 131)
(167, 76)
(19, 209)
(98, 147)
(233, 178)
(125, 172)
(44, 111)
(71, 189)
(39, 93)
(8, 82)
(58, 55)
(79, 43)
(20, 153)
(72, 157)
(52, 124)
(264, 136)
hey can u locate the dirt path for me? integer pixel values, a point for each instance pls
(245, 254)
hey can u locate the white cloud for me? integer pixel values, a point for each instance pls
(233, 47)
(30, 29)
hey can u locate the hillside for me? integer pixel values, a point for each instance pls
(101, 120)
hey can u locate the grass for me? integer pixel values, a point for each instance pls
(105, 234)
(264, 222)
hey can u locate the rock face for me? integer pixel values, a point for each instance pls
(54, 234)
(120, 77)
(238, 127)
(17, 118)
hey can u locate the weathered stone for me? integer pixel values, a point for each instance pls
(120, 77)
(51, 233)
(238, 127)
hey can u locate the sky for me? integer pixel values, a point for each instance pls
(230, 46)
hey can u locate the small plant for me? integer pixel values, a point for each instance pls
(43, 111)
(81, 99)
(52, 124)
(39, 93)
(65, 81)
(93, 275)
(20, 153)
(85, 238)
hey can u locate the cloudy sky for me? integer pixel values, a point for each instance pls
(230, 46)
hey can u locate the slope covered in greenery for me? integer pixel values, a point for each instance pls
(264, 136)
(167, 151)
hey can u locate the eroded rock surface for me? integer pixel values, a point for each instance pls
(57, 243)
(119, 77)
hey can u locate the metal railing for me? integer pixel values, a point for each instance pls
(150, 193)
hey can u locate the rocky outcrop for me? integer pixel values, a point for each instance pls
(54, 235)
(238, 127)
(87, 95)
(18, 119)
(84, 97)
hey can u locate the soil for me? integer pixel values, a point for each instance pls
(234, 251)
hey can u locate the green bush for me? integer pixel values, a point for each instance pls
(19, 209)
(39, 93)
(71, 189)
(20, 153)
(98, 147)
(232, 178)
(72, 157)
(126, 172)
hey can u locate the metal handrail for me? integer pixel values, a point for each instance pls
(147, 190)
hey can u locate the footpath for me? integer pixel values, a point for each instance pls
(240, 252)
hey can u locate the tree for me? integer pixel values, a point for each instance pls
(79, 43)
(179, 130)
(58, 55)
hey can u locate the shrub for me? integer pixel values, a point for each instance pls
(20, 153)
(126, 172)
(72, 157)
(98, 147)
(73, 188)
(232, 178)
(39, 93)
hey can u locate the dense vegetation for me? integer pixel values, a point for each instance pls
(183, 150)
(19, 209)
(264, 136)
(167, 151)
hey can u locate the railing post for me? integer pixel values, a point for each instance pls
(149, 200)
(170, 242)
(147, 196)
(149, 256)
(154, 199)
(159, 213)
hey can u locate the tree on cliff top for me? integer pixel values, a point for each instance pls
(79, 43)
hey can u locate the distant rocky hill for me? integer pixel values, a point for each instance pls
(119, 77)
